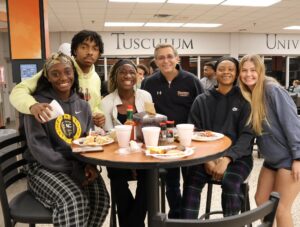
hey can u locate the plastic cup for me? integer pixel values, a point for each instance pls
(151, 136)
(185, 134)
(56, 111)
(123, 133)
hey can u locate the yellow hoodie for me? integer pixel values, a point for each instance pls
(90, 84)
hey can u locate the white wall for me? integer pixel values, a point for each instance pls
(142, 44)
(9, 111)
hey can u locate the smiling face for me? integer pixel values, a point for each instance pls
(126, 77)
(226, 73)
(61, 77)
(248, 74)
(166, 60)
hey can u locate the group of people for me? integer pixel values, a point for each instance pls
(236, 99)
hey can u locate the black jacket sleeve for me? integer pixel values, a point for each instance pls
(198, 86)
(194, 114)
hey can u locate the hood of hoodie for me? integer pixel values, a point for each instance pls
(50, 94)
(232, 92)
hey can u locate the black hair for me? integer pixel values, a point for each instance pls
(44, 84)
(210, 64)
(153, 65)
(83, 35)
(144, 68)
(228, 58)
(112, 80)
(233, 60)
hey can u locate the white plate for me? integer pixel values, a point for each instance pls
(81, 140)
(215, 136)
(87, 149)
(188, 151)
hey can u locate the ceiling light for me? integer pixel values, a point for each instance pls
(163, 24)
(123, 24)
(201, 25)
(203, 2)
(255, 3)
(292, 27)
(141, 1)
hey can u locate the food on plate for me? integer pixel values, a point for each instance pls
(174, 152)
(157, 150)
(206, 133)
(166, 151)
(96, 140)
(98, 132)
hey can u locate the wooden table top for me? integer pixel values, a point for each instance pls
(204, 151)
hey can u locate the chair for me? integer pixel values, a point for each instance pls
(23, 208)
(266, 212)
(245, 204)
(162, 176)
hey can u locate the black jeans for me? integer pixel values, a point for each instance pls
(173, 191)
(131, 210)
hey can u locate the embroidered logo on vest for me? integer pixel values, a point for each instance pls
(183, 93)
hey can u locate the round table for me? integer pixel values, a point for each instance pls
(204, 151)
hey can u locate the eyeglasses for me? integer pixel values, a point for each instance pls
(163, 58)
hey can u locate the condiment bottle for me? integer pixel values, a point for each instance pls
(130, 121)
(163, 133)
(170, 132)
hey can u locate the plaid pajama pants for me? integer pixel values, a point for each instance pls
(232, 197)
(72, 205)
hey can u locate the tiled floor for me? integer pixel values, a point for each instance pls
(215, 201)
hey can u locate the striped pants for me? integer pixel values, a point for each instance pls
(232, 197)
(72, 205)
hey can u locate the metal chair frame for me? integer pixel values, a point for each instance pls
(208, 213)
(265, 212)
(23, 207)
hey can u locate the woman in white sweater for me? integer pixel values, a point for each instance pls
(122, 79)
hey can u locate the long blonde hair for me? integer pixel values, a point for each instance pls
(256, 98)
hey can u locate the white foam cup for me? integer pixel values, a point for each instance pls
(185, 134)
(56, 111)
(123, 133)
(151, 135)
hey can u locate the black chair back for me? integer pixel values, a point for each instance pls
(11, 169)
(265, 212)
(23, 207)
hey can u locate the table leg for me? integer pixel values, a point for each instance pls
(152, 195)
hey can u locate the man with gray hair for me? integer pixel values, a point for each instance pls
(173, 92)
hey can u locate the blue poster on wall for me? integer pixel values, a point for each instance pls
(27, 70)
